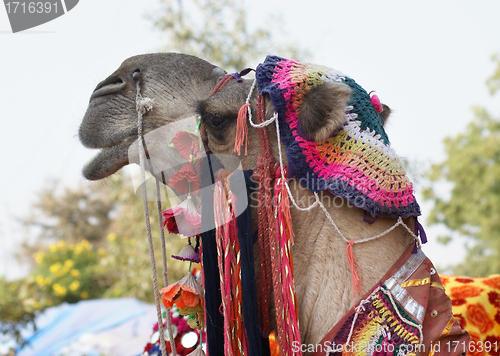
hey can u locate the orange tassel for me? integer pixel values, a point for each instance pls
(356, 280)
(241, 129)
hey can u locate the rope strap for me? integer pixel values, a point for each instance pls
(142, 106)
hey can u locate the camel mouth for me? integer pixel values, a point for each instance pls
(108, 161)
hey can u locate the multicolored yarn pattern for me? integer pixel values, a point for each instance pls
(378, 330)
(357, 163)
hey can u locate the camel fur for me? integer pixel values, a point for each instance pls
(181, 85)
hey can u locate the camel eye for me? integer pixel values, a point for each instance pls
(215, 121)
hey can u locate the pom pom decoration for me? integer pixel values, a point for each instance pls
(376, 103)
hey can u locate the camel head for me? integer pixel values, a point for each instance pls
(180, 86)
(177, 82)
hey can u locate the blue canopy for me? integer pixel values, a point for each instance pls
(93, 327)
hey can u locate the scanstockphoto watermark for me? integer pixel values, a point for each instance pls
(363, 346)
(301, 192)
(28, 14)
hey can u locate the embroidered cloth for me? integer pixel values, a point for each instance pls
(406, 313)
(357, 162)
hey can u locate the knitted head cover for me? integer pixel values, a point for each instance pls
(357, 162)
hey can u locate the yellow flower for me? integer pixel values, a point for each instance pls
(78, 249)
(60, 244)
(84, 295)
(74, 286)
(86, 244)
(53, 248)
(68, 264)
(40, 280)
(36, 305)
(101, 251)
(39, 257)
(75, 273)
(59, 290)
(55, 267)
(112, 236)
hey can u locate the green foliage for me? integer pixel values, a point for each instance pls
(217, 31)
(18, 303)
(472, 210)
(71, 272)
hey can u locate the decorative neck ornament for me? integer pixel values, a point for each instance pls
(357, 162)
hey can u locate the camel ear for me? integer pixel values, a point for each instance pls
(322, 110)
(384, 114)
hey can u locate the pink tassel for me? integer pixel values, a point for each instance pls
(228, 250)
(356, 280)
(284, 293)
(219, 208)
(241, 129)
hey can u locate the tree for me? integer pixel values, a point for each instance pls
(67, 267)
(72, 215)
(90, 241)
(472, 210)
(217, 31)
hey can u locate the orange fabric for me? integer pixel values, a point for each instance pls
(476, 305)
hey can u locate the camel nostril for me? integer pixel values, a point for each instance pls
(109, 81)
(111, 85)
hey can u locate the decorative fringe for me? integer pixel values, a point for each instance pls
(235, 340)
(356, 280)
(242, 129)
(281, 254)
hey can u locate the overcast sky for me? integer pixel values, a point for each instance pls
(428, 60)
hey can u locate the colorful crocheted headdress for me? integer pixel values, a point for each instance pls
(357, 162)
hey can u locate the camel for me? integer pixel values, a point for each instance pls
(181, 86)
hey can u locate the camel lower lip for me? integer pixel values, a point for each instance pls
(108, 161)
